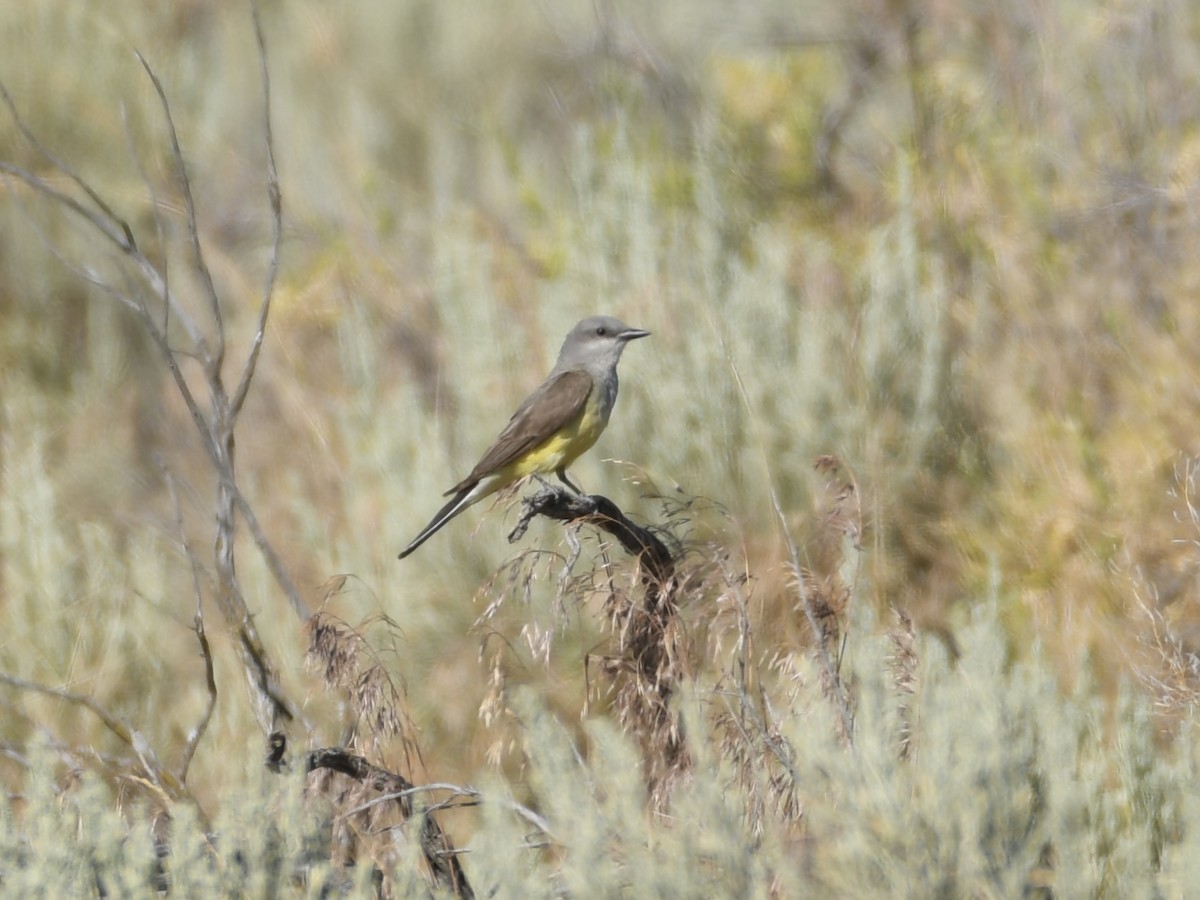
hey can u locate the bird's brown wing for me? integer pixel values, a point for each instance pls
(546, 411)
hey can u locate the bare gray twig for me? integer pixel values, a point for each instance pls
(214, 359)
(276, 200)
(197, 733)
(214, 426)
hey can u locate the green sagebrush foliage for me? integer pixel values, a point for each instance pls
(1011, 786)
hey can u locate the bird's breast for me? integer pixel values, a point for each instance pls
(569, 442)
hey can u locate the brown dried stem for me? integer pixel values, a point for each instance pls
(830, 671)
(647, 665)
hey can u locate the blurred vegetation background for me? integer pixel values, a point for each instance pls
(952, 244)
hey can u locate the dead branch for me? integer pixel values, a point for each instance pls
(151, 294)
(566, 506)
(438, 852)
(459, 797)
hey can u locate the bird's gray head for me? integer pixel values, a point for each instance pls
(597, 343)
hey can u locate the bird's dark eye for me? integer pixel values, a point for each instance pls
(601, 331)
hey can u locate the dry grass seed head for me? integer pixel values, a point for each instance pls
(347, 662)
(515, 579)
(903, 662)
(332, 650)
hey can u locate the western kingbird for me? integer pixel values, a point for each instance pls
(555, 424)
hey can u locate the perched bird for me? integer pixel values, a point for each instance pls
(556, 423)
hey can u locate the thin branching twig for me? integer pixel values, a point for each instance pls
(275, 198)
(210, 682)
(215, 425)
(214, 358)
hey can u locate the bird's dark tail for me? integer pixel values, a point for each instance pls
(457, 504)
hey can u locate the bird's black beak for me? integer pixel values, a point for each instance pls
(633, 333)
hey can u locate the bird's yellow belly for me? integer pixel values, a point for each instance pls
(563, 448)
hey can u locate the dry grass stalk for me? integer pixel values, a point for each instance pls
(752, 737)
(1169, 664)
(749, 724)
(374, 806)
(646, 664)
(645, 660)
(825, 590)
(515, 580)
(348, 662)
(1170, 669)
(903, 662)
